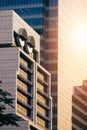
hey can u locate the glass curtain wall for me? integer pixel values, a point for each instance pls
(32, 11)
(42, 15)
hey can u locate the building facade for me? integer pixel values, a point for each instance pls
(79, 107)
(62, 54)
(42, 15)
(22, 75)
(31, 11)
(72, 54)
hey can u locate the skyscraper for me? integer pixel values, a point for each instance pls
(72, 54)
(61, 25)
(31, 11)
(79, 107)
(22, 75)
(42, 15)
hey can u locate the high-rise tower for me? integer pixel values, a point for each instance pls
(42, 15)
(79, 107)
(22, 75)
(61, 25)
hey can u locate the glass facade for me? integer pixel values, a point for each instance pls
(79, 107)
(57, 21)
(31, 11)
(42, 15)
(72, 62)
(50, 50)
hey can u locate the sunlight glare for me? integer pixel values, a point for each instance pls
(80, 38)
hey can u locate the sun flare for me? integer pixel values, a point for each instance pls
(80, 38)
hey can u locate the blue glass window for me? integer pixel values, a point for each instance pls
(37, 21)
(30, 11)
(19, 2)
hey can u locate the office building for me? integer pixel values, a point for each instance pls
(31, 11)
(63, 48)
(72, 54)
(42, 15)
(79, 107)
(22, 75)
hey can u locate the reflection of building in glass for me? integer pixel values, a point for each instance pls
(79, 108)
(22, 75)
(31, 11)
(42, 15)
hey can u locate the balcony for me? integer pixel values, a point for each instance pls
(42, 79)
(26, 68)
(42, 82)
(27, 106)
(43, 105)
(24, 92)
(43, 94)
(43, 117)
(25, 80)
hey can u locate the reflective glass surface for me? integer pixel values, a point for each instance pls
(42, 16)
(31, 11)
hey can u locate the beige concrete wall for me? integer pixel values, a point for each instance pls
(10, 22)
(5, 27)
(8, 68)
